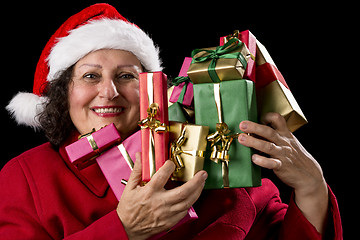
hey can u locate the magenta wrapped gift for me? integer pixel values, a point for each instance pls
(83, 152)
(188, 97)
(118, 162)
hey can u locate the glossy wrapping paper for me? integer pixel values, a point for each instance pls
(83, 152)
(154, 143)
(250, 41)
(228, 66)
(118, 162)
(238, 103)
(176, 91)
(188, 145)
(181, 97)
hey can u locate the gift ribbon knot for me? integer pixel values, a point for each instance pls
(176, 151)
(151, 122)
(220, 143)
(220, 52)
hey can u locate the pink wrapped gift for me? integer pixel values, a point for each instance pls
(154, 122)
(189, 93)
(250, 41)
(83, 152)
(118, 162)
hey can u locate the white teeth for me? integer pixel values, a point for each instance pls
(107, 110)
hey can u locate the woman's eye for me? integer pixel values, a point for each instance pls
(126, 76)
(90, 76)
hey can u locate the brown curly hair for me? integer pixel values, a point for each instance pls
(55, 119)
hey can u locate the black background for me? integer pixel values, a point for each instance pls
(315, 56)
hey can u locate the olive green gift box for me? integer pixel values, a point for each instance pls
(238, 103)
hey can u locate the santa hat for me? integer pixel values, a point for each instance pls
(99, 26)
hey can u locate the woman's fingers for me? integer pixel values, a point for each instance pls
(259, 144)
(184, 196)
(269, 163)
(161, 177)
(277, 122)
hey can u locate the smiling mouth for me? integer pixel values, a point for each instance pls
(107, 111)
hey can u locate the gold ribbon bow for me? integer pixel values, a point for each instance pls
(176, 150)
(220, 152)
(151, 122)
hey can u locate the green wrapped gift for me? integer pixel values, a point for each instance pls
(177, 112)
(222, 105)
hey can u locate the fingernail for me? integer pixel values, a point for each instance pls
(242, 137)
(243, 125)
(204, 175)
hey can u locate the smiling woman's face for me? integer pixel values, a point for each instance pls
(105, 90)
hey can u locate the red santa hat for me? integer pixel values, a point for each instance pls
(99, 26)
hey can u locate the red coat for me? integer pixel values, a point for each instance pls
(44, 197)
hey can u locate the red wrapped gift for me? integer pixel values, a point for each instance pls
(250, 41)
(118, 162)
(154, 122)
(83, 152)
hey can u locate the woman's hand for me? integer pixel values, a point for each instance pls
(290, 162)
(148, 210)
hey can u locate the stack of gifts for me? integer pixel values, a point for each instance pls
(222, 99)
(195, 123)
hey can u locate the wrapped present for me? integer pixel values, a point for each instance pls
(188, 145)
(222, 63)
(183, 91)
(154, 122)
(83, 152)
(250, 41)
(181, 96)
(222, 106)
(118, 162)
(273, 94)
(179, 113)
(117, 165)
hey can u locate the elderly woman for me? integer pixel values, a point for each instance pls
(87, 77)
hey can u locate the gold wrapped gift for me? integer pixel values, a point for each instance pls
(188, 145)
(275, 97)
(229, 65)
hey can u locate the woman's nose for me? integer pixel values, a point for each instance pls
(108, 89)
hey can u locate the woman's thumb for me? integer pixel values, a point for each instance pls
(135, 176)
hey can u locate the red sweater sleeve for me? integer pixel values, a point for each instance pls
(296, 226)
(277, 220)
(19, 214)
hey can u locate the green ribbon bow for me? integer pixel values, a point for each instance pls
(176, 82)
(220, 52)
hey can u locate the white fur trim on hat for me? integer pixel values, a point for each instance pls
(103, 34)
(25, 107)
